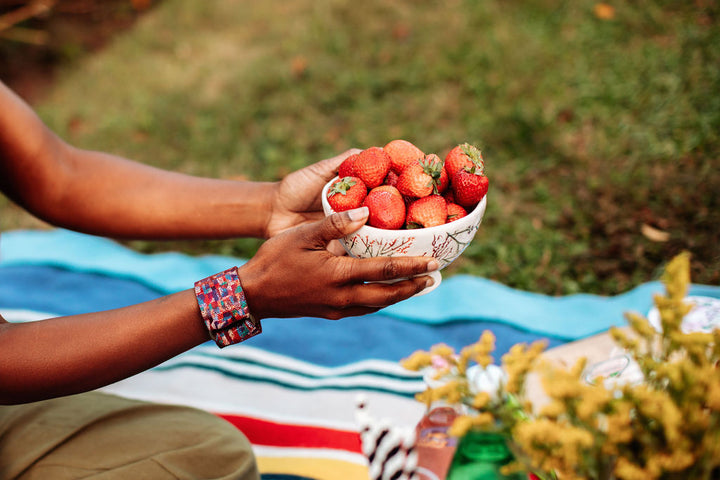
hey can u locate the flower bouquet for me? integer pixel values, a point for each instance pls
(664, 426)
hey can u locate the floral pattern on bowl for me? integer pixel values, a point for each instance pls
(443, 242)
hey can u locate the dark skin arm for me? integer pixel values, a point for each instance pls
(292, 274)
(77, 353)
(103, 194)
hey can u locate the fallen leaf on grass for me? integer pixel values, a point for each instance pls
(603, 11)
(653, 234)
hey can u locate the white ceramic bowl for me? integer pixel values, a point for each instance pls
(443, 242)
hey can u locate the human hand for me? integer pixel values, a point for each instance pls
(297, 197)
(293, 274)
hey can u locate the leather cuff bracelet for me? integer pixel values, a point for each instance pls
(224, 309)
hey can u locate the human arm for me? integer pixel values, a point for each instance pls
(72, 354)
(104, 194)
(293, 273)
(78, 353)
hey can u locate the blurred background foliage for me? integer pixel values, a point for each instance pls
(599, 122)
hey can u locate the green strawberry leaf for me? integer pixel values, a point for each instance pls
(342, 186)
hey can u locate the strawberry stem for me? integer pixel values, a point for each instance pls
(342, 186)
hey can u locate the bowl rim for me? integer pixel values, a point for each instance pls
(478, 210)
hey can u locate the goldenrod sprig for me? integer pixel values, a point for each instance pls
(665, 427)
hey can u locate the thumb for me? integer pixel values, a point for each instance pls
(341, 224)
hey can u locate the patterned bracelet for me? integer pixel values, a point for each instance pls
(223, 307)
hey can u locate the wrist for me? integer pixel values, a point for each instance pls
(224, 308)
(270, 201)
(243, 208)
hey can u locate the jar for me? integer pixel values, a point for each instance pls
(435, 448)
(480, 456)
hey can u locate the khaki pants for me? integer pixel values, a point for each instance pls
(103, 437)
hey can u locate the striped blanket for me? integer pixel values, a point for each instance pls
(293, 390)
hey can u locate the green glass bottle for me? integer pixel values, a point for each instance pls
(480, 456)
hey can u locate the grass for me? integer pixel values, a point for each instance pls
(593, 128)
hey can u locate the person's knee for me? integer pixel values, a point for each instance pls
(211, 448)
(116, 438)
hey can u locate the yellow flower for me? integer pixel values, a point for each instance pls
(641, 326)
(667, 425)
(619, 428)
(626, 470)
(677, 276)
(417, 361)
(553, 409)
(484, 360)
(593, 400)
(675, 461)
(562, 384)
(487, 340)
(713, 395)
(461, 425)
(442, 350)
(552, 445)
(696, 345)
(518, 362)
(483, 419)
(481, 400)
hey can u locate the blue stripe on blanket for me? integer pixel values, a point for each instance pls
(318, 341)
(474, 302)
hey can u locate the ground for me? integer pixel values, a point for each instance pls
(68, 31)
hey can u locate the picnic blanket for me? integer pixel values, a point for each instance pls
(293, 389)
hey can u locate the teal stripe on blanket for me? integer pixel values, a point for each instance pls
(367, 386)
(459, 298)
(165, 272)
(355, 370)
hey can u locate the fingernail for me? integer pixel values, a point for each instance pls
(429, 282)
(358, 214)
(432, 265)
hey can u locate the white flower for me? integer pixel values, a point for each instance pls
(488, 379)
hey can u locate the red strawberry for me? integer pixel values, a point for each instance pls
(427, 212)
(464, 155)
(347, 166)
(469, 187)
(387, 208)
(388, 188)
(455, 212)
(421, 178)
(346, 193)
(372, 166)
(402, 153)
(391, 179)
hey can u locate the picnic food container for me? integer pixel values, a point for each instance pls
(443, 242)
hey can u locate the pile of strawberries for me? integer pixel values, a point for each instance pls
(404, 188)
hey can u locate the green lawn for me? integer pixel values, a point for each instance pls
(593, 129)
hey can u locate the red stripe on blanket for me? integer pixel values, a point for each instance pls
(263, 432)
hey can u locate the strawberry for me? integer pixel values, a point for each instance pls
(388, 188)
(391, 179)
(421, 178)
(387, 208)
(449, 197)
(402, 153)
(469, 186)
(346, 193)
(426, 212)
(372, 166)
(455, 212)
(347, 166)
(464, 155)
